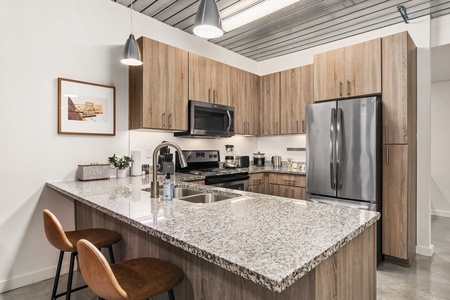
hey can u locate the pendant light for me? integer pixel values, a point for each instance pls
(208, 23)
(131, 54)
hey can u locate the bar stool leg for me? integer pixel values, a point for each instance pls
(111, 254)
(58, 272)
(171, 296)
(69, 280)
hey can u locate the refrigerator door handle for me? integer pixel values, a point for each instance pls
(332, 139)
(338, 149)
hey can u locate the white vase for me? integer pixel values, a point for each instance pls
(121, 173)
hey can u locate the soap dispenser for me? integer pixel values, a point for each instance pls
(168, 189)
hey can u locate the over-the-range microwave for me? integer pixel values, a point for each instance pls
(209, 120)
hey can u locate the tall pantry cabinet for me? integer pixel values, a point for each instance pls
(399, 92)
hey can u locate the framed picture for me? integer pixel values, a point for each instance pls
(86, 108)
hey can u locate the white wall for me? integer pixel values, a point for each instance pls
(440, 148)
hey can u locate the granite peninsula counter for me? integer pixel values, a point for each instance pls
(286, 248)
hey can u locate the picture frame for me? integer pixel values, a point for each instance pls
(86, 108)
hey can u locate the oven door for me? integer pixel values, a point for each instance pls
(234, 183)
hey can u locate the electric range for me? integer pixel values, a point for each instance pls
(206, 163)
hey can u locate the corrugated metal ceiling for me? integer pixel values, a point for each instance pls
(300, 26)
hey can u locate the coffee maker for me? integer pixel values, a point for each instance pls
(229, 157)
(165, 161)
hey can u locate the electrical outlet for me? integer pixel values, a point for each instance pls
(149, 153)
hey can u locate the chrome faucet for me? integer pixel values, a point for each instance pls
(183, 164)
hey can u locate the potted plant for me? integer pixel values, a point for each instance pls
(120, 163)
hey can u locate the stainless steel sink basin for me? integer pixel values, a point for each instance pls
(183, 192)
(205, 198)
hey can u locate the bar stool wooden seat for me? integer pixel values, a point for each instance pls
(134, 279)
(66, 241)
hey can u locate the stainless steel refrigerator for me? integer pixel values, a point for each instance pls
(343, 154)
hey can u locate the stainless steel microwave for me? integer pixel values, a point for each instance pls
(209, 120)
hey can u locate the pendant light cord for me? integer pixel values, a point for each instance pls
(131, 12)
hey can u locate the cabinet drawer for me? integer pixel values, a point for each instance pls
(256, 179)
(287, 191)
(288, 179)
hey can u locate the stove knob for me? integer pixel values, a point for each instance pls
(215, 155)
(210, 156)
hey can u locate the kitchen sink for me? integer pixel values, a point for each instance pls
(182, 192)
(205, 198)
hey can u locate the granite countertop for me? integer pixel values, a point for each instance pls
(269, 240)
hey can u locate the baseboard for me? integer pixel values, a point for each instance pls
(440, 213)
(426, 251)
(31, 278)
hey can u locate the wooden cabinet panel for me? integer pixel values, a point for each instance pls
(287, 179)
(363, 69)
(163, 75)
(209, 80)
(395, 201)
(399, 87)
(296, 93)
(328, 74)
(258, 188)
(270, 104)
(348, 72)
(197, 181)
(256, 183)
(245, 99)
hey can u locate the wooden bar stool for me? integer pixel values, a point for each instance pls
(66, 241)
(134, 279)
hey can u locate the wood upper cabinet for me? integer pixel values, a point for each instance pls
(158, 90)
(209, 80)
(399, 88)
(395, 201)
(270, 104)
(296, 93)
(348, 72)
(245, 99)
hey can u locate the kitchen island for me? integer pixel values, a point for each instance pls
(251, 246)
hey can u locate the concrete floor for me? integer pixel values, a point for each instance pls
(428, 278)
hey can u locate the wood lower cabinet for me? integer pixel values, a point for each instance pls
(287, 185)
(270, 104)
(197, 181)
(158, 93)
(209, 80)
(256, 183)
(348, 72)
(245, 99)
(398, 203)
(296, 93)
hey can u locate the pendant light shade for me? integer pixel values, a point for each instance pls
(131, 54)
(208, 23)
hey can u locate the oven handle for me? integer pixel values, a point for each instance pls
(212, 181)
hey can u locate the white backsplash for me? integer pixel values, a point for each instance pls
(146, 141)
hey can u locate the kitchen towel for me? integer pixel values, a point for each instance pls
(136, 167)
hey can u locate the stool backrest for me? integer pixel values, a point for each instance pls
(97, 272)
(55, 233)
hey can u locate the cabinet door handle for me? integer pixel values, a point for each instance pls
(214, 96)
(292, 193)
(244, 127)
(288, 181)
(303, 126)
(248, 127)
(297, 126)
(276, 127)
(348, 88)
(340, 88)
(285, 192)
(170, 120)
(209, 95)
(386, 133)
(164, 120)
(387, 155)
